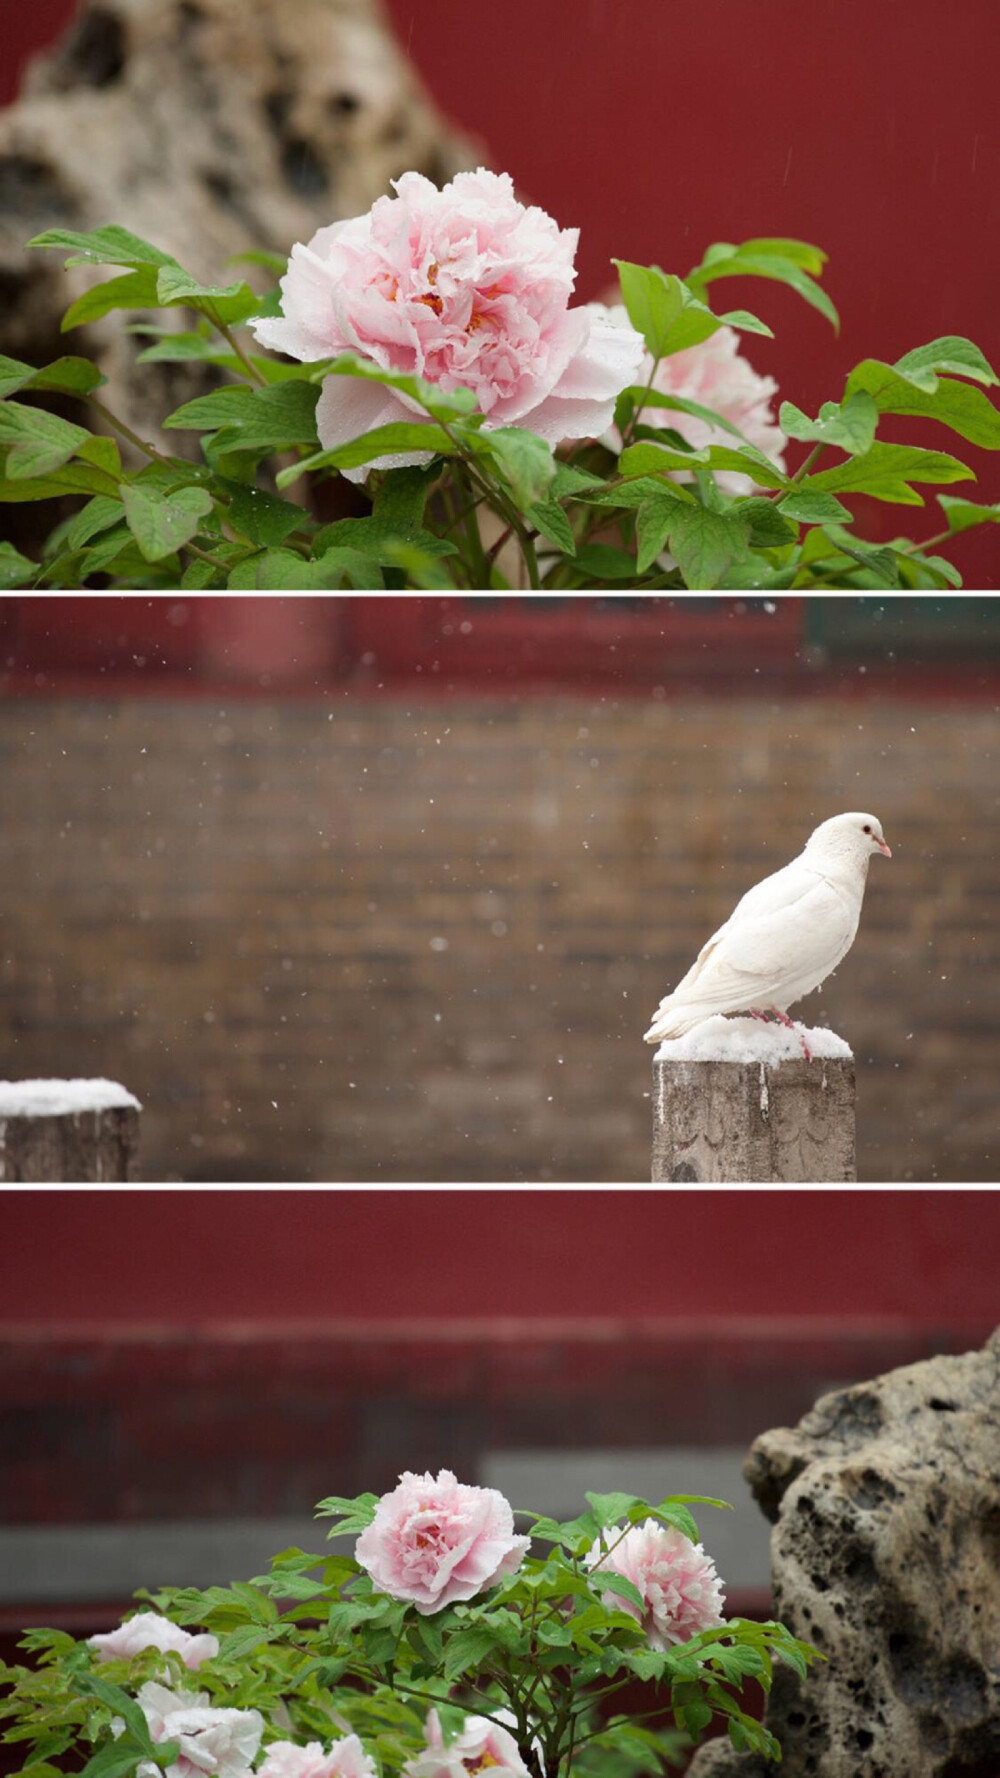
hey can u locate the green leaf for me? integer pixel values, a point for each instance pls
(656, 398)
(73, 478)
(965, 410)
(76, 376)
(704, 544)
(42, 442)
(441, 404)
(548, 517)
(950, 353)
(187, 348)
(653, 299)
(278, 569)
(812, 508)
(607, 1581)
(647, 458)
(652, 526)
(114, 1760)
(769, 528)
(103, 246)
(232, 405)
(354, 1513)
(886, 472)
(962, 515)
(261, 517)
(745, 322)
(850, 426)
(230, 304)
(599, 561)
(245, 1641)
(526, 462)
(119, 1701)
(162, 523)
(384, 441)
(134, 290)
(15, 569)
(880, 562)
(724, 260)
(275, 418)
(748, 461)
(468, 1649)
(801, 253)
(609, 1508)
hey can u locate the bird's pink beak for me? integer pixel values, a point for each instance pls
(882, 847)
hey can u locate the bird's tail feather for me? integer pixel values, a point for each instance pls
(675, 1020)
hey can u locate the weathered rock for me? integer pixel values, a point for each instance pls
(210, 127)
(886, 1555)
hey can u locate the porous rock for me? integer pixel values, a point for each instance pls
(209, 127)
(886, 1556)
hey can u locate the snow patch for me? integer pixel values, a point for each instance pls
(62, 1098)
(749, 1040)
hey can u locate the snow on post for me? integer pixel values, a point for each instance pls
(67, 1132)
(735, 1101)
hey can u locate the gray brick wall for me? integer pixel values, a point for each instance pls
(418, 937)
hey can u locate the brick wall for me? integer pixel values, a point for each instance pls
(418, 938)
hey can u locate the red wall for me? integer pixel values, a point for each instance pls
(191, 1258)
(658, 127)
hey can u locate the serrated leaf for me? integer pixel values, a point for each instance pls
(965, 410)
(886, 472)
(849, 426)
(467, 1649)
(704, 544)
(163, 523)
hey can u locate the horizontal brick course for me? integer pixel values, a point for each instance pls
(394, 916)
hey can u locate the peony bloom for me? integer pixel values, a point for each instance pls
(220, 1743)
(438, 1541)
(714, 374)
(345, 1759)
(465, 287)
(148, 1629)
(482, 1746)
(678, 1582)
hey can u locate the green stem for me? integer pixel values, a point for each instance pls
(927, 543)
(805, 467)
(119, 426)
(630, 428)
(230, 338)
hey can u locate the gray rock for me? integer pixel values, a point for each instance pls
(209, 127)
(886, 1555)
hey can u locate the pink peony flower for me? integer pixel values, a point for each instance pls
(465, 287)
(346, 1759)
(148, 1629)
(678, 1582)
(437, 1541)
(717, 376)
(482, 1746)
(221, 1743)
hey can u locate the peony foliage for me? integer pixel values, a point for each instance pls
(547, 1656)
(497, 436)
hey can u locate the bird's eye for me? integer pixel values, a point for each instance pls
(866, 829)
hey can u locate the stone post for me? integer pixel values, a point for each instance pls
(67, 1132)
(754, 1122)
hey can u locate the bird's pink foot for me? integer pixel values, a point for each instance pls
(790, 1025)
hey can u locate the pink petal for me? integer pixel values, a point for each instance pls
(348, 407)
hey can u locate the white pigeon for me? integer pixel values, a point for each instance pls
(786, 935)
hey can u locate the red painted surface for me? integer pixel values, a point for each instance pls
(96, 1258)
(872, 130)
(96, 643)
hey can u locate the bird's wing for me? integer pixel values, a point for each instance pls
(804, 927)
(781, 891)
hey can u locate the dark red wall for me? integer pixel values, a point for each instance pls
(657, 127)
(190, 1258)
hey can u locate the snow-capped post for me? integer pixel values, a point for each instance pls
(67, 1132)
(736, 1102)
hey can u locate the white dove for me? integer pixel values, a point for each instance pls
(785, 936)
